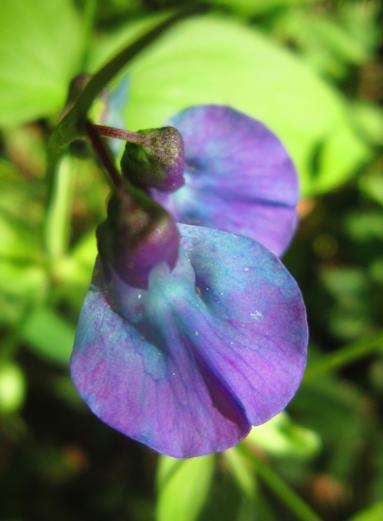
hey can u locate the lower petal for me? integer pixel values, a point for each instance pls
(211, 347)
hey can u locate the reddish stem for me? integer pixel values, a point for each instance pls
(103, 154)
(118, 133)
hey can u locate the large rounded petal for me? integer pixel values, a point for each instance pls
(211, 347)
(238, 177)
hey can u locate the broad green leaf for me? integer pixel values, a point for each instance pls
(373, 513)
(183, 487)
(39, 51)
(216, 60)
(49, 335)
(282, 437)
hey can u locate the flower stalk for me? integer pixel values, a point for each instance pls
(113, 177)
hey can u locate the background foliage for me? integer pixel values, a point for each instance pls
(311, 71)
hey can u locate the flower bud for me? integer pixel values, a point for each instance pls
(137, 235)
(158, 161)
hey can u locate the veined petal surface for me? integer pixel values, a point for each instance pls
(210, 348)
(238, 177)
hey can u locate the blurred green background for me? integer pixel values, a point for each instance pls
(311, 71)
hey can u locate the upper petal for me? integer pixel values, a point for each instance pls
(238, 177)
(212, 346)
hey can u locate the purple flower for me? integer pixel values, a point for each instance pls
(238, 177)
(188, 338)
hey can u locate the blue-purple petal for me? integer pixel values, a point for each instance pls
(239, 177)
(210, 348)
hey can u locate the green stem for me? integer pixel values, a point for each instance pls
(68, 128)
(58, 212)
(343, 356)
(295, 504)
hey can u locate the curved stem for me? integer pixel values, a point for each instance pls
(57, 217)
(118, 133)
(295, 504)
(68, 128)
(102, 151)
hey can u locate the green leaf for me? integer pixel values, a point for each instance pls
(241, 471)
(249, 7)
(39, 46)
(49, 335)
(216, 60)
(12, 387)
(282, 437)
(369, 118)
(374, 513)
(21, 287)
(183, 487)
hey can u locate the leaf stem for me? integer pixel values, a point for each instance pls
(296, 505)
(113, 177)
(343, 356)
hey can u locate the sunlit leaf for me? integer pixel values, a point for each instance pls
(373, 513)
(12, 387)
(39, 45)
(183, 487)
(282, 437)
(214, 60)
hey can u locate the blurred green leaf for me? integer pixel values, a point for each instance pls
(362, 22)
(324, 41)
(251, 7)
(49, 335)
(241, 471)
(348, 313)
(280, 436)
(216, 60)
(373, 513)
(365, 227)
(335, 410)
(39, 45)
(369, 118)
(21, 287)
(183, 487)
(12, 387)
(371, 183)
